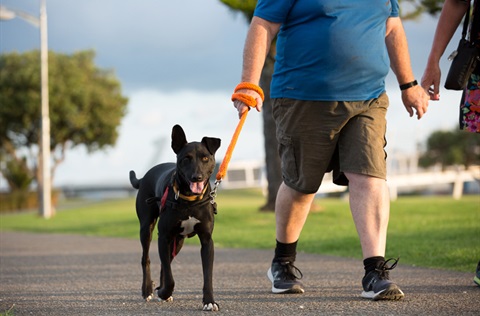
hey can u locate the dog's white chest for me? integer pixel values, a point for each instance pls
(188, 224)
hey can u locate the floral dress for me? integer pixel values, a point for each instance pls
(470, 105)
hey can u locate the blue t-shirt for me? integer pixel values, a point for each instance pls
(329, 50)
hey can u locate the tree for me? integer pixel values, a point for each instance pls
(411, 9)
(449, 148)
(86, 108)
(272, 160)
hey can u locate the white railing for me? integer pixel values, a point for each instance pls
(251, 174)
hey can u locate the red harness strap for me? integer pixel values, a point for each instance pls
(163, 200)
(174, 250)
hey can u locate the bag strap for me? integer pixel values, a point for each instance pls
(475, 24)
(466, 22)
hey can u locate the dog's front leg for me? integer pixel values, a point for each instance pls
(167, 283)
(207, 253)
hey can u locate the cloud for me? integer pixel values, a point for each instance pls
(178, 62)
(145, 136)
(164, 45)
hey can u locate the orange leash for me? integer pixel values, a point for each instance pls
(251, 102)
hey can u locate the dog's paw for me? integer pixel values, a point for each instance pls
(149, 298)
(211, 307)
(162, 293)
(168, 300)
(154, 299)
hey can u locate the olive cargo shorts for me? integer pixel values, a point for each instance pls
(315, 137)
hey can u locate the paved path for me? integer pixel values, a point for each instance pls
(75, 275)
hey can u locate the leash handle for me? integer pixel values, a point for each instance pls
(251, 102)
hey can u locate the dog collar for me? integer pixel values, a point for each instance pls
(189, 198)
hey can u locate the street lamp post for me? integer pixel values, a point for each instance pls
(44, 185)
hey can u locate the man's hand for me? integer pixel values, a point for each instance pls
(415, 100)
(242, 107)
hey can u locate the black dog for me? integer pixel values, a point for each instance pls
(178, 195)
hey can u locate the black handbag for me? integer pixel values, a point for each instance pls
(464, 60)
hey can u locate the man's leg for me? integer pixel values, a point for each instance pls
(291, 211)
(370, 206)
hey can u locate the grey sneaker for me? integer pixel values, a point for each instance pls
(284, 277)
(377, 286)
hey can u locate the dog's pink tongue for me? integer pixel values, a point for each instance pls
(196, 187)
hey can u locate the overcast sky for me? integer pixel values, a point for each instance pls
(178, 62)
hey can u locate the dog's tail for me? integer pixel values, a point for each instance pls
(133, 180)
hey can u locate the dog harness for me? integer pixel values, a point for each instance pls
(174, 205)
(189, 198)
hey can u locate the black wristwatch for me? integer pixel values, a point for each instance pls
(408, 85)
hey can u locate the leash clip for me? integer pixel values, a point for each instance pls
(213, 193)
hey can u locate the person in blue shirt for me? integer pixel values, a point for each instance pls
(329, 105)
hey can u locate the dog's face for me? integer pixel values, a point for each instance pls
(195, 160)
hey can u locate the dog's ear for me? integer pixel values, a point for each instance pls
(178, 138)
(211, 143)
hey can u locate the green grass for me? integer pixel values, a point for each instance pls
(436, 232)
(9, 312)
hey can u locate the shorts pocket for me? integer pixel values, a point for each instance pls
(286, 151)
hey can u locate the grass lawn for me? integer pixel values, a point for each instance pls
(436, 232)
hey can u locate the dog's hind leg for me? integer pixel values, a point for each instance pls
(146, 231)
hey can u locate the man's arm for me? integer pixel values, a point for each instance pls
(414, 97)
(259, 38)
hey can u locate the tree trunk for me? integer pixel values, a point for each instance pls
(272, 159)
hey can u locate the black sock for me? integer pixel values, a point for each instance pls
(285, 252)
(371, 263)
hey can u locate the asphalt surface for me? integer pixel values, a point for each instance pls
(70, 275)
